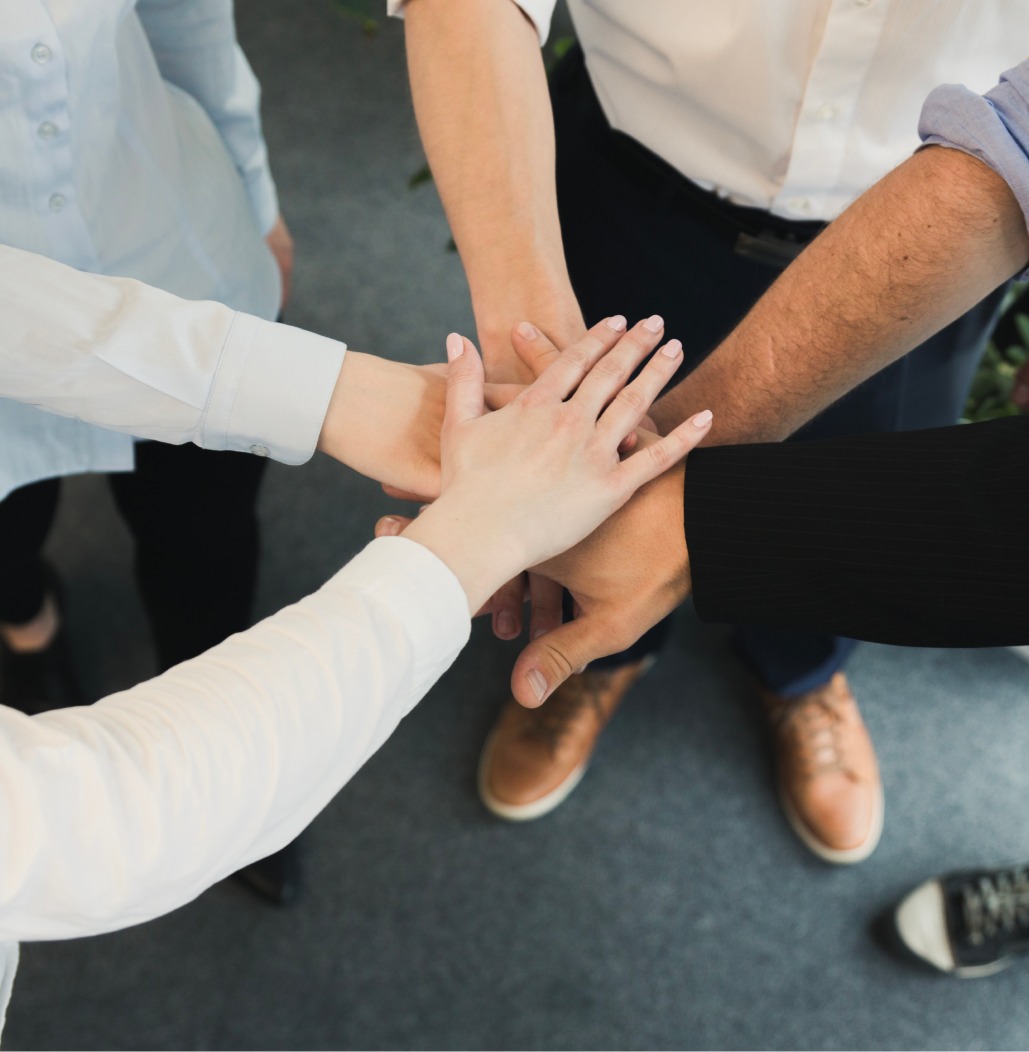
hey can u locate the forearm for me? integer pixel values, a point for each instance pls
(913, 538)
(916, 251)
(481, 100)
(132, 358)
(118, 812)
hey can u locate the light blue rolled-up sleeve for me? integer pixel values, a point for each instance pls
(195, 44)
(993, 127)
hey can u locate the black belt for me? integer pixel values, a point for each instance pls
(752, 232)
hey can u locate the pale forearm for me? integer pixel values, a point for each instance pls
(915, 252)
(481, 101)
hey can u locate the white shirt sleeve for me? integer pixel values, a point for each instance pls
(121, 811)
(195, 45)
(129, 357)
(538, 12)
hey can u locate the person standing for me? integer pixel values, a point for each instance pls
(716, 140)
(132, 147)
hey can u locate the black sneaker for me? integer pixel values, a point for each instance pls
(969, 923)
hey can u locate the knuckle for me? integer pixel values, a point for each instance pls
(633, 399)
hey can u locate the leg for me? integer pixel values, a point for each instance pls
(192, 514)
(35, 659)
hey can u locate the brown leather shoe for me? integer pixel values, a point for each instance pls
(827, 772)
(533, 758)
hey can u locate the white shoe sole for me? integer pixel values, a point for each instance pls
(523, 812)
(847, 856)
(545, 804)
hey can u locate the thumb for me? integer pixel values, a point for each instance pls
(391, 525)
(548, 661)
(533, 348)
(464, 382)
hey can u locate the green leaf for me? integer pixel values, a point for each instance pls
(1022, 324)
(423, 175)
(360, 11)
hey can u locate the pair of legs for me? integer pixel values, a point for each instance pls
(192, 516)
(702, 263)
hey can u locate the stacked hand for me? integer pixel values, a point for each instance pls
(532, 479)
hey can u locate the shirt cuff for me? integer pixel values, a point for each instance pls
(991, 127)
(538, 12)
(272, 390)
(401, 575)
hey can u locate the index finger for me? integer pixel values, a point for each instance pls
(566, 372)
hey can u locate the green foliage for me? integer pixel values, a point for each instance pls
(361, 11)
(990, 395)
(423, 175)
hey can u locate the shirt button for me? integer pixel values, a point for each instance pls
(827, 112)
(40, 53)
(862, 3)
(57, 202)
(259, 451)
(799, 204)
(47, 130)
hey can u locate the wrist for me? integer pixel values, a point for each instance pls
(553, 310)
(462, 536)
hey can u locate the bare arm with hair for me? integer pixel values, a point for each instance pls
(916, 251)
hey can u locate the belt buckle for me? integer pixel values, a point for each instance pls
(768, 248)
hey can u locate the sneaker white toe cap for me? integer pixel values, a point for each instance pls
(922, 923)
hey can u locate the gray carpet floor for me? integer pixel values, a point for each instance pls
(666, 904)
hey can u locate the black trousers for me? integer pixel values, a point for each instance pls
(192, 514)
(641, 239)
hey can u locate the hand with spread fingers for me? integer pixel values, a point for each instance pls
(524, 483)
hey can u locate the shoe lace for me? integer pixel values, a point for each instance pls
(816, 725)
(996, 904)
(564, 708)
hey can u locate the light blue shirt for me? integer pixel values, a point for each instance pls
(993, 127)
(130, 145)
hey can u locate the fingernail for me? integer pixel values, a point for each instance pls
(539, 632)
(537, 682)
(655, 323)
(616, 323)
(455, 347)
(672, 349)
(506, 624)
(527, 331)
(390, 527)
(702, 419)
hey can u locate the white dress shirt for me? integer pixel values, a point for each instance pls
(99, 806)
(130, 144)
(794, 106)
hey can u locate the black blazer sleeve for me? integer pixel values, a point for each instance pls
(916, 538)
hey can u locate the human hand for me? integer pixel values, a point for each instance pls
(384, 419)
(529, 480)
(505, 361)
(625, 577)
(536, 351)
(280, 241)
